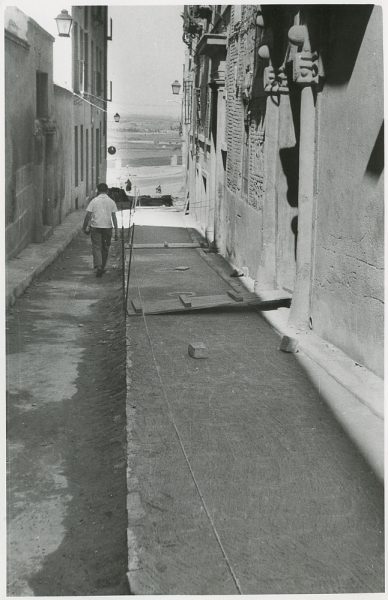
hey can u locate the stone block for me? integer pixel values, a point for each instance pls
(137, 306)
(289, 344)
(198, 350)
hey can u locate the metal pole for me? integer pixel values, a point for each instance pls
(123, 259)
(129, 264)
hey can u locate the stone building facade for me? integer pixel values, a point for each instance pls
(285, 157)
(55, 138)
(29, 129)
(89, 52)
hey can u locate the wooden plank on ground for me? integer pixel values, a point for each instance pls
(186, 300)
(166, 245)
(273, 295)
(184, 303)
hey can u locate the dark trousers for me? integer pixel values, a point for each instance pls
(101, 239)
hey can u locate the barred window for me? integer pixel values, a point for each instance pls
(245, 164)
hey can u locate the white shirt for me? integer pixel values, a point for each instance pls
(101, 208)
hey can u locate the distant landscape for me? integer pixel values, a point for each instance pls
(152, 123)
(146, 141)
(148, 151)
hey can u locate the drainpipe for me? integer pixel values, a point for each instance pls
(306, 75)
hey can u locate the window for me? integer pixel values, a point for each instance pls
(81, 61)
(87, 159)
(82, 151)
(97, 83)
(92, 65)
(101, 69)
(86, 62)
(97, 74)
(76, 156)
(97, 155)
(245, 164)
(86, 17)
(41, 95)
(76, 66)
(208, 114)
(187, 90)
(92, 154)
(97, 13)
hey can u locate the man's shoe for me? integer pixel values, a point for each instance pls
(99, 273)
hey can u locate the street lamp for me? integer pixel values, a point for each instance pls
(176, 86)
(64, 22)
(116, 118)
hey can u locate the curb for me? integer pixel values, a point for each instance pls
(54, 249)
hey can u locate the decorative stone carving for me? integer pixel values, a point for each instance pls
(305, 67)
(283, 80)
(49, 127)
(38, 131)
(246, 91)
(271, 84)
(275, 82)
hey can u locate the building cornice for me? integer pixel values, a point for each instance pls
(12, 37)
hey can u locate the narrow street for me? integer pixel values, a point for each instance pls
(206, 415)
(135, 468)
(66, 485)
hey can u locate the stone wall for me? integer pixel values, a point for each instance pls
(89, 116)
(63, 153)
(28, 49)
(245, 127)
(348, 286)
(301, 204)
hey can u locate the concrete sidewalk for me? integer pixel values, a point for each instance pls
(35, 258)
(240, 477)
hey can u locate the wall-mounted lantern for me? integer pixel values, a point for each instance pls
(116, 118)
(64, 23)
(175, 86)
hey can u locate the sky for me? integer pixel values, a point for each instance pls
(145, 55)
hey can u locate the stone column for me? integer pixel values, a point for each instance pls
(219, 218)
(215, 170)
(306, 74)
(300, 308)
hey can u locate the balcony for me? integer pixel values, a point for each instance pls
(212, 45)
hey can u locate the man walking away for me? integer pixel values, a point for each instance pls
(100, 213)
